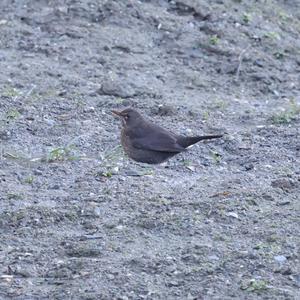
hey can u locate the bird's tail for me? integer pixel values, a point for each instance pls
(186, 141)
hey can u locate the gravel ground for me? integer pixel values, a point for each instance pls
(79, 220)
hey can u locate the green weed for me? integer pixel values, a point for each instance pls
(255, 285)
(288, 115)
(61, 154)
(246, 18)
(272, 35)
(12, 114)
(214, 40)
(216, 157)
(10, 92)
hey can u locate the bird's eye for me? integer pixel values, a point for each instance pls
(126, 117)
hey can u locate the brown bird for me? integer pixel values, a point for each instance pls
(149, 143)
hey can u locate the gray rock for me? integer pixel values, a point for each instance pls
(117, 88)
(5, 135)
(280, 259)
(283, 183)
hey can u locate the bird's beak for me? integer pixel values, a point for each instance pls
(117, 113)
(120, 115)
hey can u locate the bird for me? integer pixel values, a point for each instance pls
(146, 142)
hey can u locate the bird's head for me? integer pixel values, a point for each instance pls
(129, 116)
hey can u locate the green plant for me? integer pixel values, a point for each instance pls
(246, 18)
(205, 115)
(60, 154)
(29, 180)
(220, 104)
(13, 195)
(109, 162)
(255, 285)
(288, 115)
(214, 40)
(119, 100)
(216, 156)
(272, 35)
(107, 174)
(187, 162)
(283, 16)
(10, 92)
(12, 114)
(279, 55)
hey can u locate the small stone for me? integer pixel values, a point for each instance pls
(115, 170)
(259, 63)
(97, 211)
(3, 22)
(283, 203)
(280, 259)
(62, 93)
(62, 9)
(249, 167)
(54, 187)
(117, 88)
(83, 251)
(165, 110)
(229, 68)
(286, 271)
(110, 224)
(284, 184)
(245, 146)
(268, 197)
(110, 276)
(38, 172)
(173, 283)
(232, 214)
(213, 257)
(191, 168)
(7, 278)
(5, 135)
(89, 109)
(296, 279)
(49, 122)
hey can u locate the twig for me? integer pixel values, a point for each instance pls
(30, 91)
(243, 52)
(33, 86)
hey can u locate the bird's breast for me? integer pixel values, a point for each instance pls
(125, 140)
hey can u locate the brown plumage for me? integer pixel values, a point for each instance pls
(149, 143)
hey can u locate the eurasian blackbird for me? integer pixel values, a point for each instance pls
(149, 143)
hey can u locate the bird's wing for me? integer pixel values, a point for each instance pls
(156, 138)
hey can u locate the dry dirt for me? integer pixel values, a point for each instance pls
(79, 220)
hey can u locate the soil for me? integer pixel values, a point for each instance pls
(79, 220)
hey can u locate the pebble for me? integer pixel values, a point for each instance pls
(110, 276)
(37, 172)
(5, 135)
(280, 259)
(284, 184)
(296, 279)
(97, 211)
(165, 110)
(89, 109)
(49, 122)
(232, 214)
(3, 22)
(116, 88)
(191, 168)
(213, 257)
